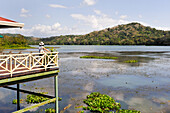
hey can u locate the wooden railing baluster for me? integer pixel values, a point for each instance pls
(18, 63)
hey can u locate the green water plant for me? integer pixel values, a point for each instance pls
(127, 111)
(38, 99)
(131, 61)
(14, 101)
(102, 103)
(98, 57)
(80, 111)
(35, 99)
(50, 110)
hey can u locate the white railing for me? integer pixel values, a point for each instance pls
(19, 63)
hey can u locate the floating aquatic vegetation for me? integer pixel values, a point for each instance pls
(37, 99)
(80, 112)
(14, 101)
(50, 110)
(103, 103)
(127, 111)
(100, 103)
(77, 107)
(99, 57)
(131, 61)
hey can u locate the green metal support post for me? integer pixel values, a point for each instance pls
(18, 98)
(56, 92)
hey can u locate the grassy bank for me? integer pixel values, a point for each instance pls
(98, 57)
(17, 47)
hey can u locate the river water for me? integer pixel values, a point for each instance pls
(143, 86)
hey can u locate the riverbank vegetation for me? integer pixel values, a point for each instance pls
(125, 34)
(98, 57)
(131, 61)
(13, 42)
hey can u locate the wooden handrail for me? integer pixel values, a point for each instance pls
(18, 63)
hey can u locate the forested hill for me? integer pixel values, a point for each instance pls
(128, 34)
(13, 41)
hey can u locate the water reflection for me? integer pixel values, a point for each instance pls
(5, 99)
(133, 85)
(144, 105)
(131, 81)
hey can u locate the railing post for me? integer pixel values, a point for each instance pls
(10, 64)
(57, 59)
(56, 92)
(45, 61)
(30, 61)
(26, 61)
(18, 97)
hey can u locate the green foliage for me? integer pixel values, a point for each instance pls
(59, 98)
(14, 101)
(128, 34)
(131, 61)
(98, 57)
(38, 99)
(77, 107)
(13, 42)
(100, 103)
(103, 103)
(50, 110)
(128, 111)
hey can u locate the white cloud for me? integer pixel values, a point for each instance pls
(47, 16)
(98, 22)
(163, 28)
(93, 22)
(24, 10)
(89, 2)
(56, 25)
(97, 12)
(116, 13)
(85, 24)
(123, 16)
(57, 6)
(24, 13)
(140, 16)
(41, 30)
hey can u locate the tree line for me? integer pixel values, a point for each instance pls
(128, 34)
(13, 42)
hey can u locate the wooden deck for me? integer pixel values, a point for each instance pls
(19, 68)
(28, 77)
(15, 65)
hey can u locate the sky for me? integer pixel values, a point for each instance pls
(45, 18)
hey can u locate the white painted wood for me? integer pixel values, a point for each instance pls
(19, 63)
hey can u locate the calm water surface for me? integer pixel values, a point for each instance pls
(143, 86)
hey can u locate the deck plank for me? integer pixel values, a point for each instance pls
(14, 80)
